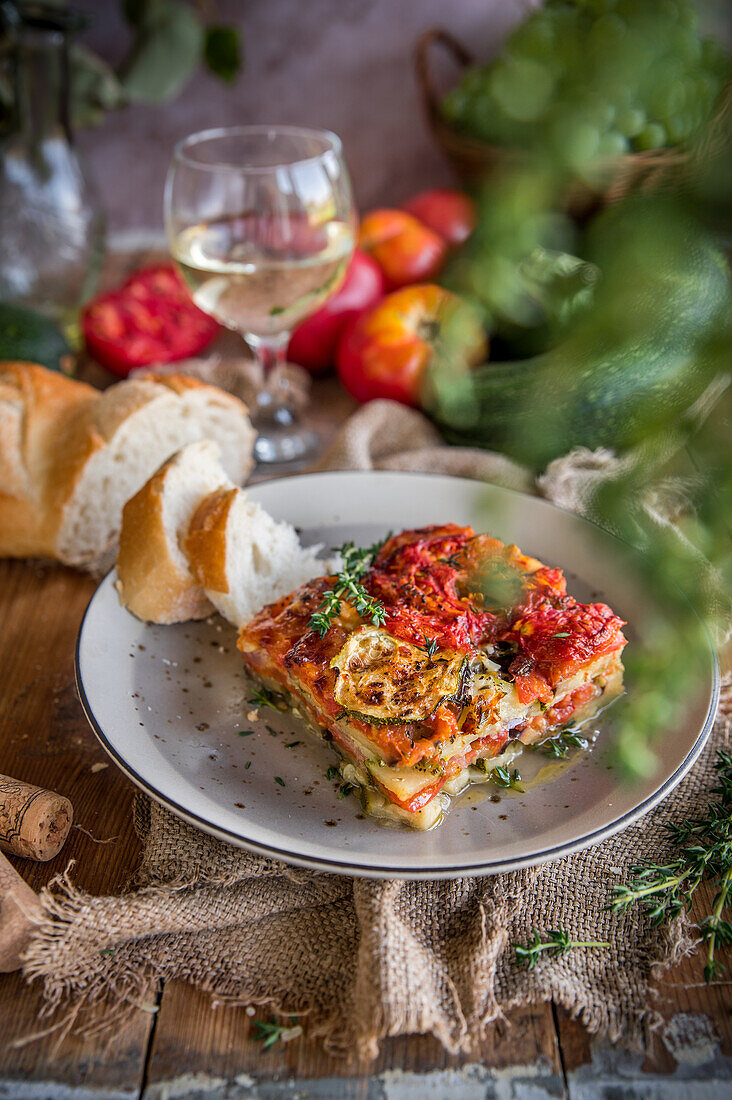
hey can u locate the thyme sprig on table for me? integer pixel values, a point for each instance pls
(704, 851)
(355, 563)
(557, 942)
(269, 1032)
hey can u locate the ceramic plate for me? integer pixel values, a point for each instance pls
(168, 704)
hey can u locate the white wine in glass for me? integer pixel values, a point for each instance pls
(261, 224)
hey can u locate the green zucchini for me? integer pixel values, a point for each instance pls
(29, 337)
(632, 364)
(384, 680)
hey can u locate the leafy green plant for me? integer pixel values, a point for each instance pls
(169, 41)
(588, 81)
(642, 370)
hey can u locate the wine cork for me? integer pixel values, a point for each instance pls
(34, 823)
(19, 914)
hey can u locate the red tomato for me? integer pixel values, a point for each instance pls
(449, 213)
(405, 250)
(313, 343)
(386, 351)
(151, 319)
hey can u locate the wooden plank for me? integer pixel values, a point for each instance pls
(690, 1054)
(201, 1051)
(45, 739)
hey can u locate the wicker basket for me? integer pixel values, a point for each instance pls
(474, 160)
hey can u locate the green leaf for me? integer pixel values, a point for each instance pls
(95, 87)
(264, 697)
(222, 52)
(167, 48)
(137, 12)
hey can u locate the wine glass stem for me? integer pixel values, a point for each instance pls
(271, 352)
(280, 436)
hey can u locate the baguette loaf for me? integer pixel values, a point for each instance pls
(70, 456)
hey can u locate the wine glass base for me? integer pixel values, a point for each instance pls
(274, 446)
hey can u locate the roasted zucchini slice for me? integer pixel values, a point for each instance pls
(387, 681)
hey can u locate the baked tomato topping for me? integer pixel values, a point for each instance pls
(557, 635)
(151, 319)
(531, 686)
(447, 588)
(415, 576)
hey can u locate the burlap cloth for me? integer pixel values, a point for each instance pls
(364, 959)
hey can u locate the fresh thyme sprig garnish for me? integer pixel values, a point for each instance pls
(263, 697)
(704, 850)
(502, 777)
(430, 647)
(557, 943)
(355, 563)
(269, 1032)
(453, 560)
(558, 747)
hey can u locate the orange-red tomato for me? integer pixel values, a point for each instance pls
(313, 343)
(151, 319)
(447, 212)
(385, 352)
(405, 249)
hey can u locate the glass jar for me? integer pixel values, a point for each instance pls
(51, 229)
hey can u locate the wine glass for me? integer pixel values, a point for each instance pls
(261, 224)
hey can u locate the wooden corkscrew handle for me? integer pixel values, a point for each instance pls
(19, 913)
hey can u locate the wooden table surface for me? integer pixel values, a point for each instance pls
(182, 1047)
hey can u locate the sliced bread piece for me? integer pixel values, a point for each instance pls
(243, 558)
(129, 432)
(155, 582)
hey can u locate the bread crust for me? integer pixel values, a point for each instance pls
(40, 411)
(51, 427)
(151, 584)
(205, 543)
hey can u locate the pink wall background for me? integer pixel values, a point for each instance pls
(342, 64)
